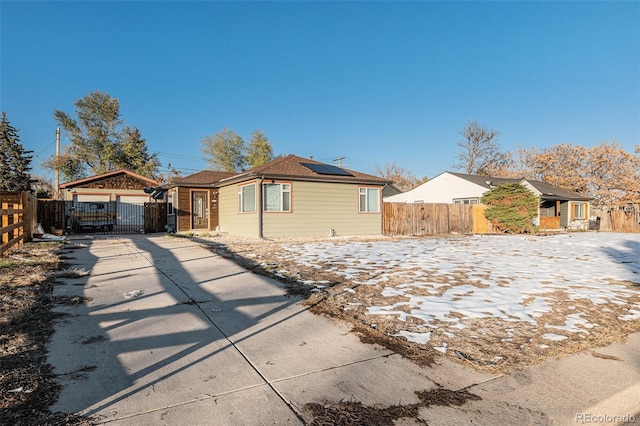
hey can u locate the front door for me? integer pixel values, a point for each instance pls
(199, 210)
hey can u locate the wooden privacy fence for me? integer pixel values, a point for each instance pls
(155, 217)
(434, 219)
(51, 214)
(618, 220)
(18, 213)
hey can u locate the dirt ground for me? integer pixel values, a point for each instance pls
(27, 276)
(29, 273)
(489, 344)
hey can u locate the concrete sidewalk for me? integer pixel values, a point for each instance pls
(206, 342)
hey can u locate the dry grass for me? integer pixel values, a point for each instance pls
(489, 343)
(26, 323)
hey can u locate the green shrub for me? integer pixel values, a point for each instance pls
(511, 208)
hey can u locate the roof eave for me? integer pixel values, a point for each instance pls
(106, 175)
(328, 179)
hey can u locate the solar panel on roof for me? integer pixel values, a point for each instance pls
(326, 169)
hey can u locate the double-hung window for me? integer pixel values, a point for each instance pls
(277, 197)
(579, 211)
(247, 198)
(369, 200)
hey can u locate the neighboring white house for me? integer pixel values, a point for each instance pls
(448, 188)
(558, 207)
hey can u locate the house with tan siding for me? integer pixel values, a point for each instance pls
(295, 196)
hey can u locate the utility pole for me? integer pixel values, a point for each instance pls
(339, 160)
(57, 156)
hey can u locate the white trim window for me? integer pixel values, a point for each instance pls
(277, 197)
(247, 198)
(579, 211)
(369, 200)
(466, 201)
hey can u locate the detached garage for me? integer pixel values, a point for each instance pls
(114, 201)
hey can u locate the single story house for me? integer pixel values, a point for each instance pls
(289, 196)
(558, 209)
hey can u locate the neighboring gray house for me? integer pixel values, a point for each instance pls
(559, 208)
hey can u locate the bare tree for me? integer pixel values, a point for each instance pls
(403, 179)
(605, 172)
(479, 152)
(43, 186)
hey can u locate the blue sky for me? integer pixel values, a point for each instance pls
(374, 82)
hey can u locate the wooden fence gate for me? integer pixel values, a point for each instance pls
(155, 217)
(18, 214)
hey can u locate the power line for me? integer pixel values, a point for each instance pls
(186, 157)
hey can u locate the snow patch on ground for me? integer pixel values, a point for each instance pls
(513, 278)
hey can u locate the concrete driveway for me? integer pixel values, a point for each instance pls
(171, 333)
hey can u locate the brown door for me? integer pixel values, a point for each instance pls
(199, 210)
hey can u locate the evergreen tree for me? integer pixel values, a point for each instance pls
(511, 208)
(15, 161)
(133, 154)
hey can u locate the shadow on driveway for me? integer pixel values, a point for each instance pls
(176, 342)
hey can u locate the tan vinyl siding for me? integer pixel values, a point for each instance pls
(231, 221)
(318, 207)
